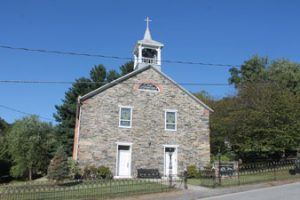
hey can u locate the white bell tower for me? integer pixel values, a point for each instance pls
(147, 51)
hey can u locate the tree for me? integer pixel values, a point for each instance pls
(252, 70)
(221, 125)
(5, 163)
(263, 116)
(29, 142)
(3, 126)
(66, 112)
(3, 144)
(205, 98)
(58, 168)
(112, 75)
(286, 74)
(126, 68)
(260, 70)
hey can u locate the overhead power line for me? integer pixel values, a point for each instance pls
(110, 57)
(72, 82)
(25, 113)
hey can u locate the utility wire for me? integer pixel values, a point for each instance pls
(25, 113)
(110, 57)
(91, 82)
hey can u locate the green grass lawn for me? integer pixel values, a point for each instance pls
(88, 190)
(245, 178)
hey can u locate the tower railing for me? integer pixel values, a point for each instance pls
(149, 60)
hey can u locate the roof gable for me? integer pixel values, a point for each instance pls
(127, 76)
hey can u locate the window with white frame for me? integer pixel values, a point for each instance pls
(125, 119)
(170, 120)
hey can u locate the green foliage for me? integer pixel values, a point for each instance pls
(89, 172)
(192, 171)
(205, 97)
(29, 142)
(263, 118)
(286, 74)
(260, 70)
(102, 172)
(59, 167)
(5, 160)
(3, 126)
(112, 75)
(66, 112)
(126, 68)
(74, 171)
(223, 157)
(251, 71)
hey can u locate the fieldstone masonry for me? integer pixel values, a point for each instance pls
(99, 129)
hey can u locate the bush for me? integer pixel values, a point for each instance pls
(225, 157)
(91, 172)
(104, 173)
(192, 171)
(74, 171)
(58, 168)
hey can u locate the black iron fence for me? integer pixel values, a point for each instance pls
(246, 173)
(82, 189)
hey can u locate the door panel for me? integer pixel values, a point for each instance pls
(167, 161)
(124, 163)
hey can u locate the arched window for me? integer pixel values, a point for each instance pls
(149, 87)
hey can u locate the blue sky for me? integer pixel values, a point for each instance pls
(211, 31)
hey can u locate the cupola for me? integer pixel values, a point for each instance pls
(147, 51)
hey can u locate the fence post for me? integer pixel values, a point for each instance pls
(238, 173)
(110, 185)
(185, 179)
(275, 171)
(219, 171)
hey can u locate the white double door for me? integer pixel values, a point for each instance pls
(124, 161)
(173, 152)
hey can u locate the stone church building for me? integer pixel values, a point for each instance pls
(138, 120)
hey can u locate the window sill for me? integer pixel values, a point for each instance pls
(125, 127)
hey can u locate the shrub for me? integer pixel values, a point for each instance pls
(90, 172)
(225, 157)
(192, 171)
(104, 173)
(58, 168)
(74, 171)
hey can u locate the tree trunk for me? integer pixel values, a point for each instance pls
(30, 174)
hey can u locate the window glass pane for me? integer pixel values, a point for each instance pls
(125, 123)
(148, 86)
(171, 126)
(125, 113)
(170, 117)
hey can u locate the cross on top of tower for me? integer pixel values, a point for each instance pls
(147, 35)
(147, 20)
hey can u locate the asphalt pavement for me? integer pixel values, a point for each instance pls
(275, 190)
(283, 192)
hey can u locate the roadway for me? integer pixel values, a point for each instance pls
(283, 192)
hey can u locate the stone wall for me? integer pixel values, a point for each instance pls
(99, 125)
